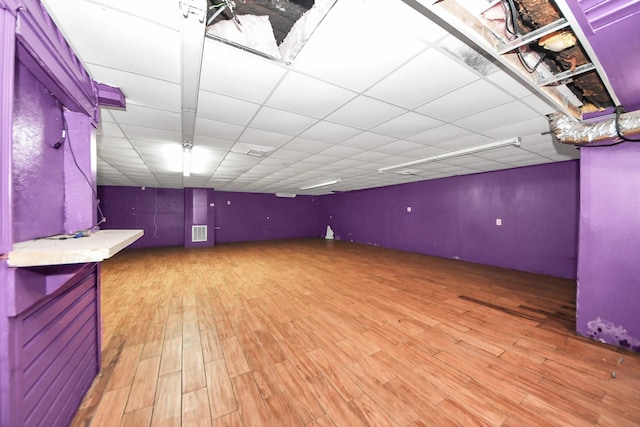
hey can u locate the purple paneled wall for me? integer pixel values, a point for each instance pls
(245, 217)
(456, 218)
(158, 211)
(609, 256)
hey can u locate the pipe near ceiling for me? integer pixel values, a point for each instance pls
(622, 127)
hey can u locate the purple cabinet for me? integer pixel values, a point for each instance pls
(53, 353)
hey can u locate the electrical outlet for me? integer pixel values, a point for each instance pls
(408, 208)
(498, 221)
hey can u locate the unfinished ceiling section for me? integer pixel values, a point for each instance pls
(533, 40)
(282, 13)
(560, 51)
(272, 28)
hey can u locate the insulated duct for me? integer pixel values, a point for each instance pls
(567, 130)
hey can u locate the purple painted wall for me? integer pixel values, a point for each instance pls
(198, 206)
(243, 217)
(609, 256)
(456, 218)
(79, 173)
(158, 211)
(38, 168)
(247, 217)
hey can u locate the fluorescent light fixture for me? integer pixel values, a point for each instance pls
(322, 184)
(463, 152)
(186, 159)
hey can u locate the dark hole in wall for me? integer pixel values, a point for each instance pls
(282, 13)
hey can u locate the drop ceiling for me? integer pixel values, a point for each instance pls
(377, 84)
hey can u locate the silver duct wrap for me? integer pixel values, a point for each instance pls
(567, 130)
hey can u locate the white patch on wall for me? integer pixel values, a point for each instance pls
(329, 235)
(198, 233)
(610, 333)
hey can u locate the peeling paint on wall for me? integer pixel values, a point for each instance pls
(609, 333)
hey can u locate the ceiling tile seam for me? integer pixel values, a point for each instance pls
(134, 15)
(90, 63)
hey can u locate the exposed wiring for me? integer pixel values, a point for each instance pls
(526, 65)
(155, 214)
(511, 26)
(65, 134)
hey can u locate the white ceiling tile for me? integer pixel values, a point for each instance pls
(108, 141)
(425, 151)
(539, 105)
(215, 129)
(497, 117)
(406, 125)
(148, 117)
(431, 74)
(164, 13)
(363, 40)
(329, 132)
(112, 151)
(464, 142)
(263, 137)
(341, 151)
(157, 147)
(320, 159)
(281, 121)
(470, 99)
(151, 134)
(367, 140)
(217, 143)
(370, 156)
(364, 112)
(536, 125)
(288, 154)
(109, 129)
(509, 84)
(125, 42)
(308, 96)
(307, 145)
(223, 108)
(439, 135)
(251, 77)
(399, 147)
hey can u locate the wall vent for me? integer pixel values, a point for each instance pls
(198, 233)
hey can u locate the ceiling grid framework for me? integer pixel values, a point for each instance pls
(373, 87)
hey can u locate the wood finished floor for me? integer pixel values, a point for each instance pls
(324, 333)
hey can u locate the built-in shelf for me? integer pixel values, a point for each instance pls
(97, 247)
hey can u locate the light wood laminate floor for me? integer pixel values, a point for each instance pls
(322, 333)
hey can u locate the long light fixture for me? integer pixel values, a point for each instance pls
(186, 159)
(193, 29)
(463, 152)
(322, 184)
